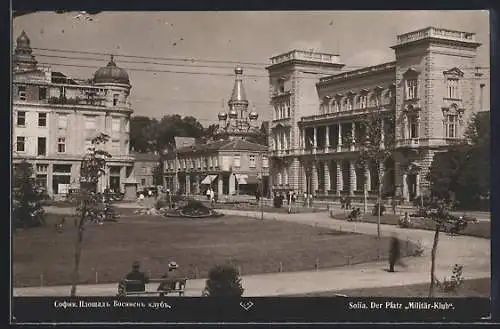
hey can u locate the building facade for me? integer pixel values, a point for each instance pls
(145, 167)
(431, 91)
(229, 164)
(229, 167)
(55, 117)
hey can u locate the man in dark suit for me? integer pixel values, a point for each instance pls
(138, 276)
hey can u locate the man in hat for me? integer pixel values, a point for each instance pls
(138, 276)
(170, 277)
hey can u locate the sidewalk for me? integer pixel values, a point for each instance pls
(473, 253)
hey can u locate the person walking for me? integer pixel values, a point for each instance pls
(394, 253)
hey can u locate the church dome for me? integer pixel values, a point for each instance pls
(23, 41)
(111, 74)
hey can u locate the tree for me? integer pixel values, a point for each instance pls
(140, 133)
(464, 170)
(223, 281)
(375, 143)
(262, 138)
(92, 167)
(438, 209)
(27, 210)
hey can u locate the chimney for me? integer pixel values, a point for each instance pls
(481, 96)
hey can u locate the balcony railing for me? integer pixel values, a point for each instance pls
(412, 142)
(432, 32)
(307, 56)
(342, 114)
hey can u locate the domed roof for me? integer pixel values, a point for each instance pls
(22, 40)
(111, 74)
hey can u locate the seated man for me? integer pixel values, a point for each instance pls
(169, 283)
(138, 276)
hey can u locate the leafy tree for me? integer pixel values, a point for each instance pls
(28, 210)
(223, 281)
(438, 210)
(92, 167)
(465, 169)
(139, 137)
(375, 144)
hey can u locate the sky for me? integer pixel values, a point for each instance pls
(210, 44)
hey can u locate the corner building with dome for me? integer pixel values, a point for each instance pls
(56, 116)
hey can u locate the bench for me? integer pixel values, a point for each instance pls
(174, 285)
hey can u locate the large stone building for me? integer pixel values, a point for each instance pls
(431, 90)
(55, 117)
(230, 164)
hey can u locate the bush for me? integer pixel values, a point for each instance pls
(223, 281)
(278, 201)
(455, 281)
(161, 203)
(376, 207)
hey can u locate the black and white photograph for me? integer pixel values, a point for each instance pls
(249, 154)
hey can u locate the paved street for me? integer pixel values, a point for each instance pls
(473, 253)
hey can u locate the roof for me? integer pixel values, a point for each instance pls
(181, 142)
(225, 145)
(149, 156)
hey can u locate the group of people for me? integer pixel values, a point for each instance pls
(141, 279)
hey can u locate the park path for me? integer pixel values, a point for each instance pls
(471, 252)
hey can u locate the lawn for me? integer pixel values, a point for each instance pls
(469, 288)
(480, 229)
(44, 255)
(297, 209)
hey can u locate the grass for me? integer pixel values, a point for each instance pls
(469, 288)
(480, 229)
(196, 245)
(298, 209)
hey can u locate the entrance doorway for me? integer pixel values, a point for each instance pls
(412, 186)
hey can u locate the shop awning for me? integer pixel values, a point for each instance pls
(245, 179)
(208, 180)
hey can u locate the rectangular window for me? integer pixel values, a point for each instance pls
(451, 126)
(349, 104)
(42, 93)
(413, 127)
(265, 162)
(61, 145)
(115, 99)
(337, 106)
(20, 143)
(216, 161)
(21, 118)
(251, 161)
(41, 180)
(236, 161)
(363, 101)
(143, 181)
(90, 122)
(411, 89)
(62, 121)
(115, 147)
(42, 146)
(453, 89)
(42, 168)
(42, 119)
(210, 164)
(21, 93)
(115, 124)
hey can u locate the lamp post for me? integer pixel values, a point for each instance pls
(261, 189)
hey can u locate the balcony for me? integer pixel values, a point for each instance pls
(413, 142)
(342, 114)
